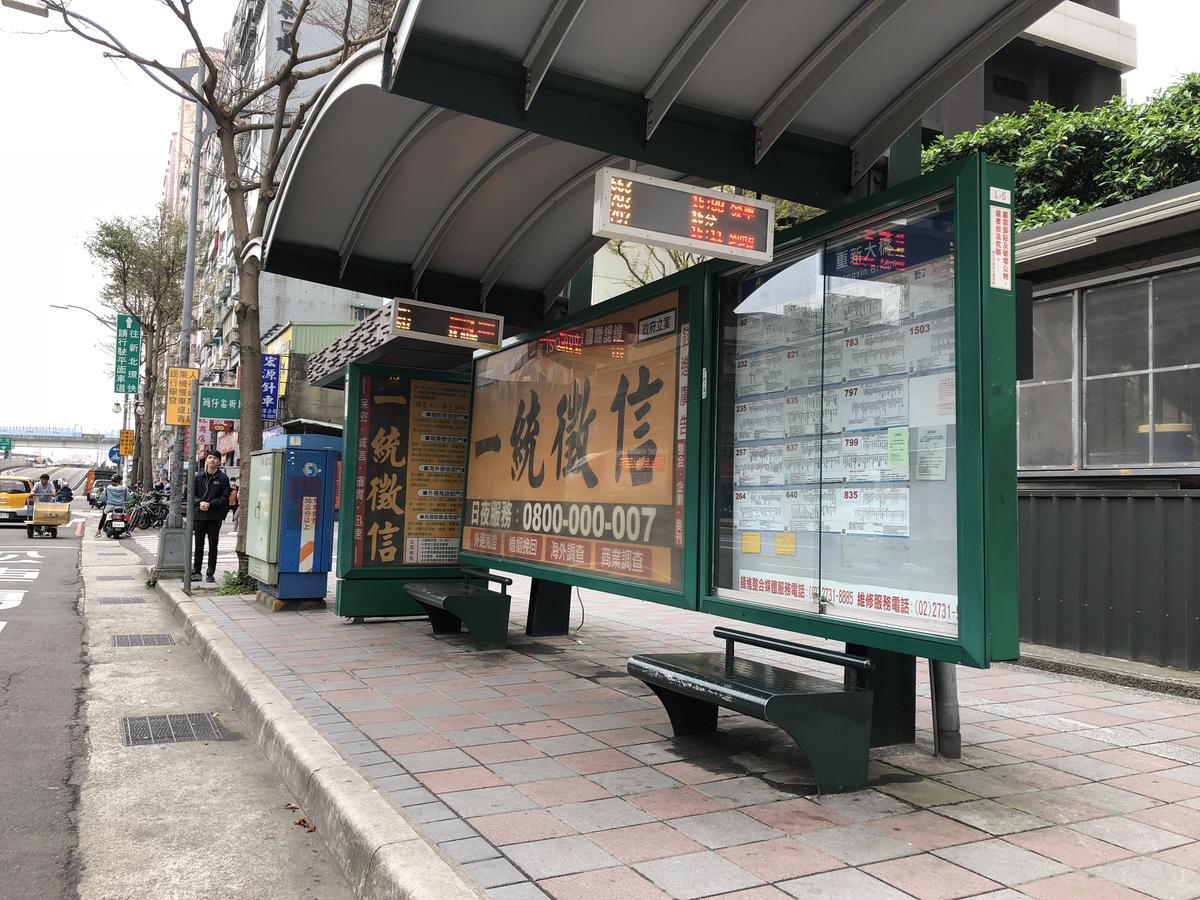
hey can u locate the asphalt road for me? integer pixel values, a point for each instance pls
(41, 680)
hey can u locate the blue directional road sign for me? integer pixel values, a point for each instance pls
(114, 454)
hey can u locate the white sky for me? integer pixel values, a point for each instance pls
(85, 138)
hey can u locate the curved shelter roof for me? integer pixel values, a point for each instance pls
(455, 164)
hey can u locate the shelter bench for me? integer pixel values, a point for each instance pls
(828, 720)
(452, 603)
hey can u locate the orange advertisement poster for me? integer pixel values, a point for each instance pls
(576, 443)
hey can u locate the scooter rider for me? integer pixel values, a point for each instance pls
(115, 497)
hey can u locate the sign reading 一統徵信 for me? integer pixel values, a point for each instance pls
(648, 210)
(410, 452)
(576, 450)
(270, 386)
(219, 402)
(127, 355)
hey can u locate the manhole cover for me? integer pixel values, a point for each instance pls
(114, 578)
(143, 640)
(139, 731)
(122, 600)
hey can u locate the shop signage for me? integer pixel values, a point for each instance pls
(219, 402)
(179, 395)
(126, 442)
(576, 449)
(128, 355)
(270, 386)
(446, 324)
(409, 457)
(648, 210)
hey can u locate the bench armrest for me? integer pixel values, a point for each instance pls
(470, 572)
(820, 654)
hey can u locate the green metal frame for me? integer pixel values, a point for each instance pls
(375, 591)
(693, 280)
(985, 429)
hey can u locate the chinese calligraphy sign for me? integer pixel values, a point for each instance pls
(575, 438)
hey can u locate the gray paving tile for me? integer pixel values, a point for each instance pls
(724, 829)
(1180, 752)
(862, 806)
(468, 850)
(990, 816)
(745, 791)
(1130, 834)
(599, 815)
(1185, 774)
(985, 783)
(473, 737)
(1002, 862)
(1105, 797)
(396, 783)
(395, 729)
(429, 812)
(1152, 877)
(412, 796)
(858, 844)
(982, 757)
(492, 873)
(924, 792)
(567, 743)
(841, 884)
(435, 760)
(524, 891)
(448, 830)
(1086, 767)
(1071, 741)
(485, 801)
(559, 856)
(634, 781)
(523, 771)
(697, 875)
(1135, 734)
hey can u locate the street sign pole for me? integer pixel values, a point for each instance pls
(172, 542)
(189, 470)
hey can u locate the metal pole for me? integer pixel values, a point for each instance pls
(189, 469)
(943, 694)
(173, 542)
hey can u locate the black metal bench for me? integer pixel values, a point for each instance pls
(453, 603)
(830, 721)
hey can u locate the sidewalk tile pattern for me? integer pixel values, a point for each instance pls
(546, 771)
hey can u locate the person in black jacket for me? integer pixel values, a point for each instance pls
(210, 496)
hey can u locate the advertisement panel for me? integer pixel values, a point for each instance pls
(576, 447)
(125, 442)
(409, 462)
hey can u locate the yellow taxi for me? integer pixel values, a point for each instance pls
(14, 494)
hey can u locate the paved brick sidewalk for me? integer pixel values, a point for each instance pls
(545, 770)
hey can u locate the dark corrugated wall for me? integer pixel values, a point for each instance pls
(1112, 572)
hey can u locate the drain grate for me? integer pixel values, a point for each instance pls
(138, 731)
(122, 600)
(114, 578)
(143, 640)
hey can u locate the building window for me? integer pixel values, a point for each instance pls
(360, 313)
(1013, 88)
(1046, 435)
(1116, 374)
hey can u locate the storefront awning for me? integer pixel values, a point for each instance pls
(466, 179)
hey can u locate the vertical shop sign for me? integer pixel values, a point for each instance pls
(270, 386)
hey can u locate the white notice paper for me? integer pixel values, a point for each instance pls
(931, 453)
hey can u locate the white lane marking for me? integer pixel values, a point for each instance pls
(2, 624)
(10, 574)
(16, 555)
(11, 599)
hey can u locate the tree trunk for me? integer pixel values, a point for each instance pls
(250, 428)
(145, 436)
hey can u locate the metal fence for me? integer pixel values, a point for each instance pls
(1112, 571)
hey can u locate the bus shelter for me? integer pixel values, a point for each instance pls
(822, 442)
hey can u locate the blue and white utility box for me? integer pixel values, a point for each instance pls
(289, 537)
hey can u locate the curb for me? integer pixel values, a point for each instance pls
(1140, 676)
(382, 856)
